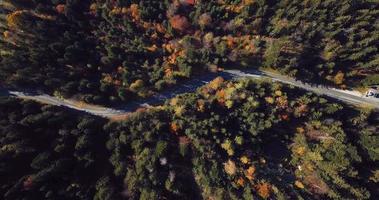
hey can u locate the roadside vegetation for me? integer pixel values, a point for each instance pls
(229, 140)
(111, 51)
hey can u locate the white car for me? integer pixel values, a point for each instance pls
(373, 92)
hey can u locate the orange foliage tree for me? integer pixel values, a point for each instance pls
(263, 190)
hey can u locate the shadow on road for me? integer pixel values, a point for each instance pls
(184, 87)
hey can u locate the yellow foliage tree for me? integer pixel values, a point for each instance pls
(299, 184)
(339, 78)
(229, 104)
(216, 83)
(220, 95)
(244, 159)
(228, 147)
(300, 130)
(248, 2)
(138, 84)
(230, 167)
(6, 34)
(269, 100)
(300, 151)
(278, 93)
(174, 101)
(179, 110)
(14, 19)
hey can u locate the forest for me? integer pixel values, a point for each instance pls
(228, 140)
(245, 139)
(112, 51)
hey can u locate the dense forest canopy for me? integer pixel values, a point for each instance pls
(240, 139)
(107, 51)
(230, 140)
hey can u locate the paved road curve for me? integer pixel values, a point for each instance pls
(190, 86)
(346, 96)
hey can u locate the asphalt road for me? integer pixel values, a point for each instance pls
(343, 95)
(190, 86)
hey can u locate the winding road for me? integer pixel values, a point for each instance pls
(190, 86)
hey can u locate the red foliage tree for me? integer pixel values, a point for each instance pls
(179, 23)
(28, 183)
(188, 2)
(60, 8)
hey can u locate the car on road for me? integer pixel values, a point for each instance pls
(373, 92)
